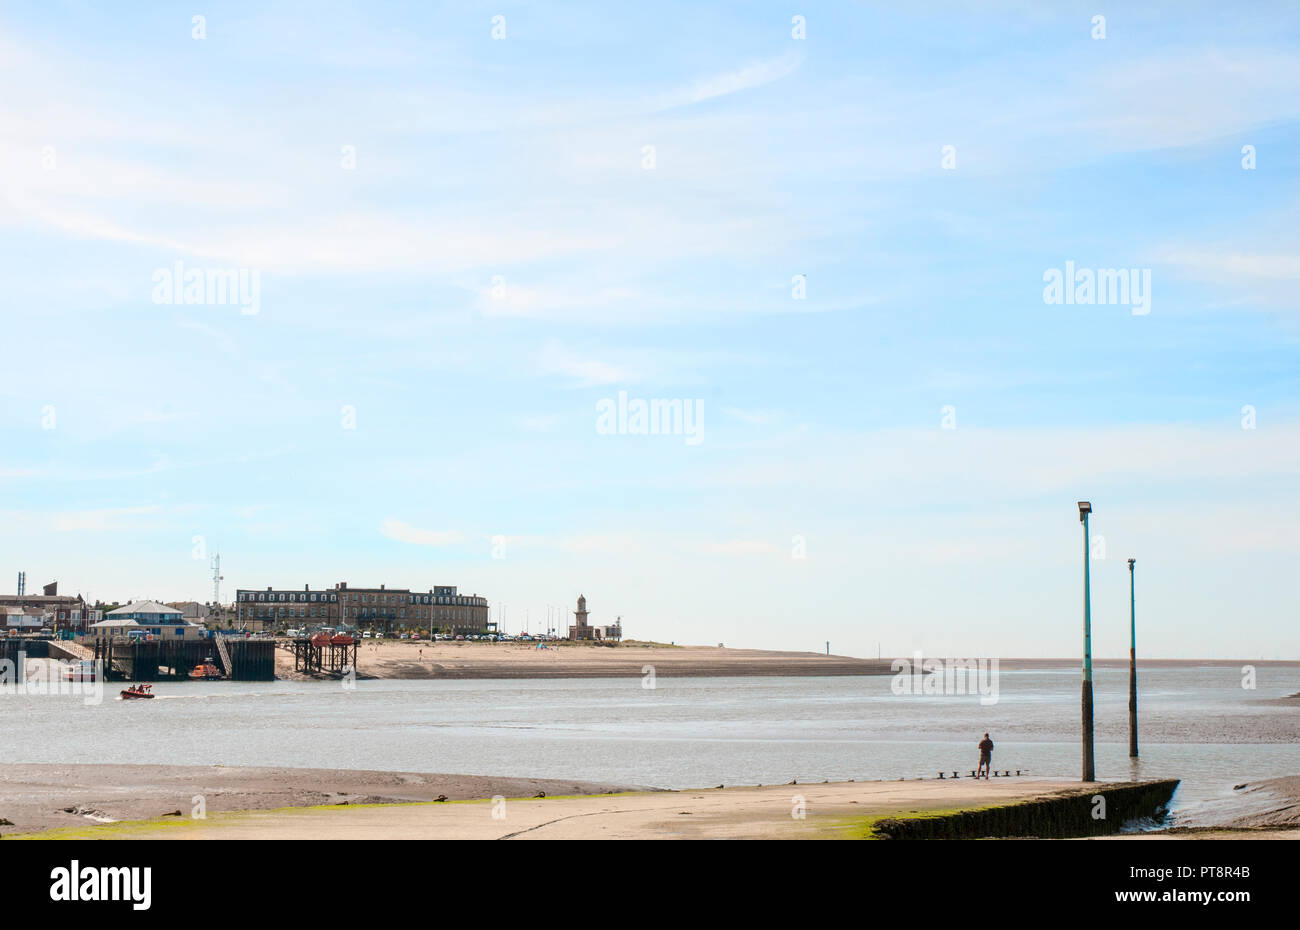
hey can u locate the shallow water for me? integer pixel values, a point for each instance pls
(1198, 724)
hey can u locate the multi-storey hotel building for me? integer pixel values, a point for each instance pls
(265, 610)
(382, 608)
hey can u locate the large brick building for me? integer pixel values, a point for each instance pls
(390, 610)
(285, 607)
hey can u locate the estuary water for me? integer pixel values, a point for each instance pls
(1197, 724)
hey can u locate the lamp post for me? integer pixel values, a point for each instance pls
(1132, 666)
(1089, 773)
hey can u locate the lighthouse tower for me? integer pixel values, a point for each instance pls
(580, 630)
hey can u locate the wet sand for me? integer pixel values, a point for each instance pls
(1282, 798)
(830, 810)
(134, 802)
(36, 797)
(397, 659)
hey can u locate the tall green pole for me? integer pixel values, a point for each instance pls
(1132, 667)
(1089, 772)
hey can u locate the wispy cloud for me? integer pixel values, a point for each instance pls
(555, 358)
(746, 77)
(404, 532)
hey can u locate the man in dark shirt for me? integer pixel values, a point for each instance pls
(986, 756)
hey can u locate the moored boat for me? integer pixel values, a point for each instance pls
(205, 670)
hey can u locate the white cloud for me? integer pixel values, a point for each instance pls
(404, 532)
(756, 417)
(557, 359)
(743, 547)
(1226, 265)
(730, 82)
(94, 521)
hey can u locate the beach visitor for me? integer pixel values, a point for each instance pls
(986, 756)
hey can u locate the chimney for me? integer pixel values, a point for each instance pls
(51, 589)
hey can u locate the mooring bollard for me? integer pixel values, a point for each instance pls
(941, 775)
(1017, 771)
(954, 774)
(972, 773)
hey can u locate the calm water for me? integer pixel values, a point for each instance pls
(1198, 725)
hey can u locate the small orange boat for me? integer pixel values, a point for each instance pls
(342, 639)
(137, 691)
(205, 670)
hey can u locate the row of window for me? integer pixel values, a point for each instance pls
(394, 599)
(443, 613)
(283, 596)
(303, 597)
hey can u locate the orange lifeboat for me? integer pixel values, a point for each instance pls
(205, 670)
(342, 639)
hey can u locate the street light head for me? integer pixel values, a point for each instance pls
(1130, 564)
(1085, 508)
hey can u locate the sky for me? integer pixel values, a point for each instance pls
(827, 230)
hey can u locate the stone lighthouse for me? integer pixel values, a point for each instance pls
(580, 630)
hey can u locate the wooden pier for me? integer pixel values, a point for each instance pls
(162, 660)
(325, 659)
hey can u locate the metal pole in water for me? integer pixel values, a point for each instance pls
(1089, 772)
(1132, 666)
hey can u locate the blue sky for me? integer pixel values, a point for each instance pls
(499, 260)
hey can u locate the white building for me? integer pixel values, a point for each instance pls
(153, 620)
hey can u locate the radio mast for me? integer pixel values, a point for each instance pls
(216, 580)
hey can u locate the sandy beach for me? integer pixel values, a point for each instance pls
(36, 797)
(830, 810)
(398, 659)
(158, 802)
(408, 659)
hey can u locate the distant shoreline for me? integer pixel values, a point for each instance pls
(420, 659)
(415, 660)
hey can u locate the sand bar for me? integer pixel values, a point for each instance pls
(396, 659)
